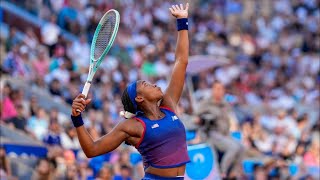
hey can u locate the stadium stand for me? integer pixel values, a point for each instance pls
(273, 79)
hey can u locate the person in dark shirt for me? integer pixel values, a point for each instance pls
(19, 121)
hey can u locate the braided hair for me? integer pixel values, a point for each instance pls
(126, 102)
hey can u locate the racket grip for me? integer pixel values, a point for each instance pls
(86, 88)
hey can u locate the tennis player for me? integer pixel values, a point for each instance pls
(151, 124)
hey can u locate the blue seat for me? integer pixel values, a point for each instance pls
(236, 135)
(191, 134)
(293, 169)
(248, 166)
(135, 158)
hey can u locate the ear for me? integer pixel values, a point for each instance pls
(139, 99)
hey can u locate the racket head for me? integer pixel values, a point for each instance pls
(104, 36)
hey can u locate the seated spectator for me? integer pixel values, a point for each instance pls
(124, 159)
(5, 167)
(53, 136)
(41, 64)
(69, 139)
(312, 156)
(43, 171)
(259, 172)
(55, 87)
(19, 121)
(125, 173)
(72, 172)
(9, 110)
(105, 173)
(38, 125)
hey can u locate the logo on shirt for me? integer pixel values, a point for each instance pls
(174, 118)
(155, 126)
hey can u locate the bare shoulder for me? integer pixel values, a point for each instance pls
(131, 126)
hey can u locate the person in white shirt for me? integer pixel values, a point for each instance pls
(69, 139)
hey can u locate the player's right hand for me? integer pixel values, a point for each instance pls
(79, 104)
(179, 11)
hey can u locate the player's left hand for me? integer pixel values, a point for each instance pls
(179, 11)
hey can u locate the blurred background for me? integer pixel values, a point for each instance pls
(257, 60)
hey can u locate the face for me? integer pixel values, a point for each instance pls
(218, 91)
(2, 152)
(260, 174)
(43, 167)
(105, 173)
(71, 171)
(148, 91)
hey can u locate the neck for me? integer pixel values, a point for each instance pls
(152, 111)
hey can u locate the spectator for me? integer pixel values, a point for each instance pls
(19, 121)
(105, 173)
(5, 167)
(31, 39)
(55, 87)
(44, 171)
(273, 64)
(80, 52)
(38, 124)
(312, 156)
(72, 173)
(259, 172)
(124, 160)
(41, 64)
(125, 173)
(53, 137)
(9, 110)
(34, 106)
(50, 32)
(216, 114)
(84, 170)
(13, 39)
(69, 138)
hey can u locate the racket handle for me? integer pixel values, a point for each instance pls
(86, 88)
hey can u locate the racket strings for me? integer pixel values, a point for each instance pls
(105, 34)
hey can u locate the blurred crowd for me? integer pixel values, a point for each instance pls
(273, 47)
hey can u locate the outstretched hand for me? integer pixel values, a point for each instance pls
(79, 104)
(179, 11)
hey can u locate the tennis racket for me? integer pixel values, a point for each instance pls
(102, 41)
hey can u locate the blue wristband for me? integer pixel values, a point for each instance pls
(77, 121)
(182, 24)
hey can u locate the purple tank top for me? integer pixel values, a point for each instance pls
(163, 144)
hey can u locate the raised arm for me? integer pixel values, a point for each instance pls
(174, 90)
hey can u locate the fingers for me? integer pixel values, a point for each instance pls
(177, 7)
(81, 96)
(174, 8)
(78, 106)
(75, 112)
(171, 10)
(181, 7)
(87, 101)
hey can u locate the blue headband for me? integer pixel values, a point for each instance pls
(132, 91)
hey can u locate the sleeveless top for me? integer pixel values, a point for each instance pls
(163, 143)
